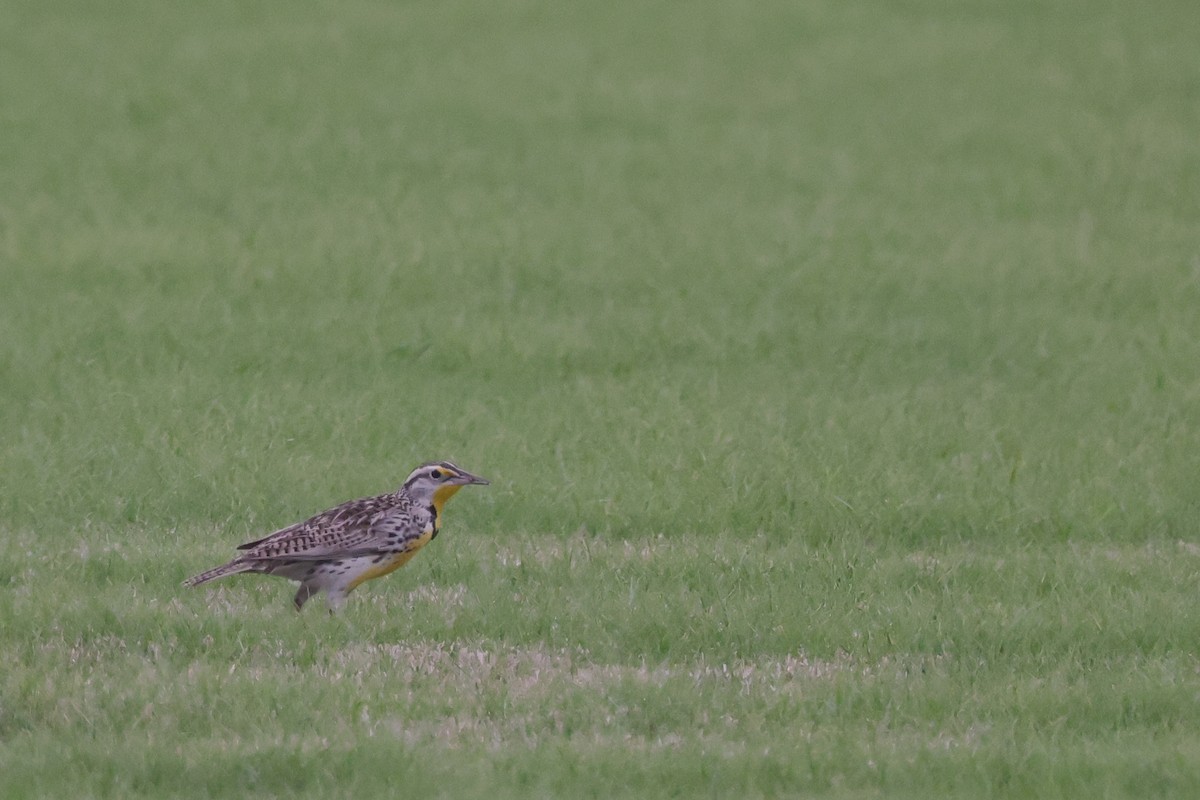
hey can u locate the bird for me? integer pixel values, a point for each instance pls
(338, 549)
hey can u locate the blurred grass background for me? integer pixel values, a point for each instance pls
(860, 333)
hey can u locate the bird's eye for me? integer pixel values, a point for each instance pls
(436, 474)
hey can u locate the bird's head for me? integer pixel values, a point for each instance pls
(435, 482)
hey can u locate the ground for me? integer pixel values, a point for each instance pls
(834, 365)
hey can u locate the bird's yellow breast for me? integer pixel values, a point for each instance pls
(393, 562)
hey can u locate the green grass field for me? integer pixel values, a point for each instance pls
(836, 366)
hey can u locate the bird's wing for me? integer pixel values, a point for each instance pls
(352, 529)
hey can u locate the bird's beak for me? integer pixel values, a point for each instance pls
(465, 478)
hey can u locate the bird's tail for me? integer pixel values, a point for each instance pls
(232, 568)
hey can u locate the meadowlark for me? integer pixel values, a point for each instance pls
(338, 549)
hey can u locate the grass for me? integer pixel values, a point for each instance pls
(834, 365)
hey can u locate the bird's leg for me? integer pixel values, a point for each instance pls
(302, 595)
(335, 600)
